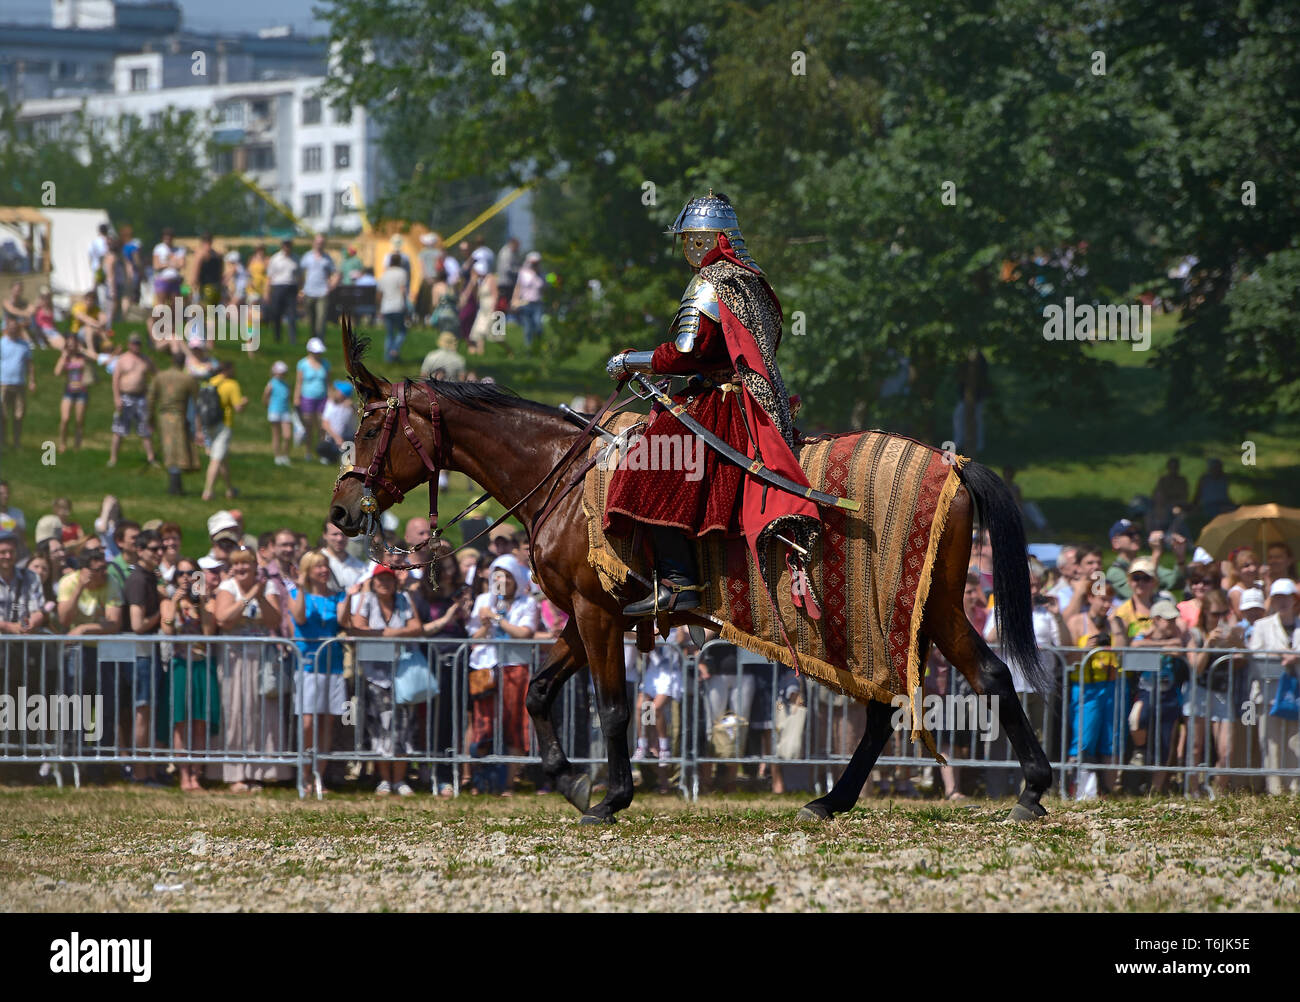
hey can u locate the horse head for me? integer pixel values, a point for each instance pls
(385, 466)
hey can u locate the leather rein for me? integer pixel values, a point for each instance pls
(397, 412)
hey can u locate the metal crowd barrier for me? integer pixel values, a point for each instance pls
(234, 706)
(146, 701)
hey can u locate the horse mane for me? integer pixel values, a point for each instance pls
(476, 396)
(487, 396)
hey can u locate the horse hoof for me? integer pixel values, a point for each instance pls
(595, 819)
(1022, 813)
(579, 793)
(813, 812)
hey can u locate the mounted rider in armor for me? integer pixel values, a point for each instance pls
(724, 340)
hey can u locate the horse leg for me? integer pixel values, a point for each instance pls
(566, 657)
(989, 676)
(603, 641)
(842, 797)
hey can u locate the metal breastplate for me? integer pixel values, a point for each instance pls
(699, 298)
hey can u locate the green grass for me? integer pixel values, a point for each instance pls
(269, 496)
(1084, 460)
(1081, 461)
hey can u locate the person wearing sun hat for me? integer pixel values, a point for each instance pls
(1158, 705)
(276, 397)
(384, 610)
(224, 535)
(1279, 631)
(310, 392)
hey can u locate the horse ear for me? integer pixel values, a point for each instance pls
(353, 349)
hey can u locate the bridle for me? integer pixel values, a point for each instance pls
(397, 412)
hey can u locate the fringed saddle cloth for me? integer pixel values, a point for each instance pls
(870, 573)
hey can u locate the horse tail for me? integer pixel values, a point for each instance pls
(997, 511)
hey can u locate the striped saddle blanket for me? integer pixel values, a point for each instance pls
(870, 573)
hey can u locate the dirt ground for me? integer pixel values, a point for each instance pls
(154, 850)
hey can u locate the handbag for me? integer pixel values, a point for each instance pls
(412, 680)
(271, 678)
(728, 735)
(1286, 702)
(482, 682)
(789, 718)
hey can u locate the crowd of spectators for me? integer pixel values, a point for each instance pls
(189, 396)
(1119, 704)
(1145, 646)
(120, 577)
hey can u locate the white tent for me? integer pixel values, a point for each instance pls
(72, 232)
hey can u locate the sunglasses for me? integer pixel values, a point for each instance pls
(155, 548)
(1139, 577)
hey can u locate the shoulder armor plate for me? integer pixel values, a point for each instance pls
(699, 298)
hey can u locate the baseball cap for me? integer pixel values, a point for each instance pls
(1202, 556)
(1252, 598)
(428, 239)
(279, 368)
(153, 525)
(316, 346)
(480, 266)
(223, 525)
(1142, 565)
(1123, 527)
(49, 527)
(381, 569)
(233, 256)
(480, 254)
(1282, 586)
(208, 563)
(1164, 609)
(343, 386)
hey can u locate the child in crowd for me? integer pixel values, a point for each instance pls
(276, 397)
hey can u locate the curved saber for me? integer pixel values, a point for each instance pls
(754, 467)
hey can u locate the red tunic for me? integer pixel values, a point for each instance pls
(665, 496)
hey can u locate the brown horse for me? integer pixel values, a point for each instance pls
(509, 446)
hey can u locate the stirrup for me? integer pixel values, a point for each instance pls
(680, 598)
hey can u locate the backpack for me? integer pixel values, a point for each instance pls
(207, 408)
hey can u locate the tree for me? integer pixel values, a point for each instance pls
(917, 182)
(150, 177)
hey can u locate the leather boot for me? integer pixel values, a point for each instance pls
(675, 561)
(174, 482)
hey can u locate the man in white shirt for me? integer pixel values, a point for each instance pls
(1279, 742)
(282, 280)
(319, 276)
(339, 419)
(168, 260)
(99, 251)
(346, 569)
